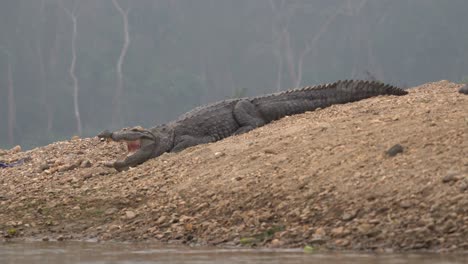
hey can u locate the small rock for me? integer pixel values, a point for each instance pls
(338, 232)
(188, 227)
(109, 164)
(110, 211)
(347, 216)
(393, 151)
(450, 177)
(449, 226)
(406, 204)
(114, 227)
(15, 149)
(320, 232)
(464, 185)
(365, 228)
(86, 164)
(86, 175)
(342, 242)
(75, 179)
(75, 138)
(219, 154)
(3, 152)
(317, 240)
(276, 243)
(44, 166)
(64, 168)
(130, 214)
(161, 220)
(270, 151)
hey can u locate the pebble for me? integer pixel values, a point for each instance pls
(365, 228)
(342, 242)
(219, 154)
(406, 204)
(464, 185)
(347, 216)
(130, 214)
(320, 232)
(276, 243)
(338, 231)
(393, 151)
(44, 166)
(114, 227)
(450, 177)
(16, 149)
(161, 220)
(111, 211)
(86, 164)
(449, 226)
(270, 151)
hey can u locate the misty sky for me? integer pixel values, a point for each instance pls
(79, 67)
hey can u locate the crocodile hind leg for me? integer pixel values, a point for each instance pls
(247, 116)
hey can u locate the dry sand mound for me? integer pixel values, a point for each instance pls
(322, 179)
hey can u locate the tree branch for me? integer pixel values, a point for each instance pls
(119, 90)
(11, 105)
(313, 43)
(71, 70)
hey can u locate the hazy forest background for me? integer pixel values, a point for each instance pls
(78, 67)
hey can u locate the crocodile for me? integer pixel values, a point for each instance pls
(213, 122)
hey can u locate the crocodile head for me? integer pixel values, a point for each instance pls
(141, 144)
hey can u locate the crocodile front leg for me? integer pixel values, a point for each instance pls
(190, 141)
(247, 116)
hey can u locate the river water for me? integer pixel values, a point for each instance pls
(121, 253)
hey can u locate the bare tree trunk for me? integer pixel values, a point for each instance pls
(294, 59)
(279, 71)
(278, 43)
(363, 44)
(117, 100)
(72, 73)
(51, 76)
(289, 53)
(44, 76)
(11, 105)
(308, 46)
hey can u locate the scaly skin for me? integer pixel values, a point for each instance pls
(464, 89)
(222, 119)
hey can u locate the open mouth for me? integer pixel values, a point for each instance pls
(133, 146)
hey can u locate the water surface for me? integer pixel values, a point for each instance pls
(127, 253)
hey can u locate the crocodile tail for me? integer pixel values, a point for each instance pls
(367, 87)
